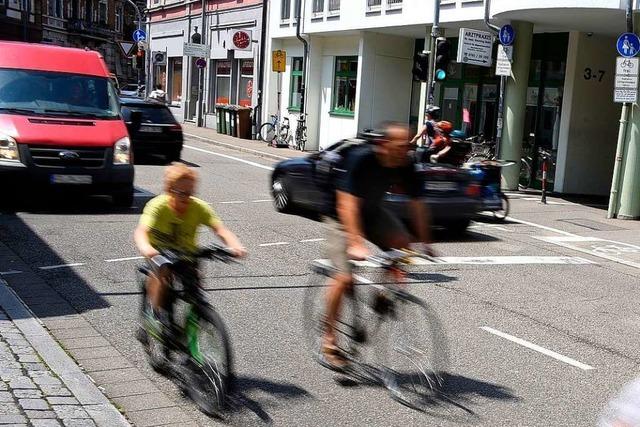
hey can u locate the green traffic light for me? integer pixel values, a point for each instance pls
(441, 74)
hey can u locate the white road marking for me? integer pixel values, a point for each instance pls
(538, 348)
(261, 201)
(124, 259)
(488, 260)
(542, 227)
(273, 244)
(312, 240)
(606, 252)
(10, 272)
(549, 202)
(53, 267)
(232, 202)
(258, 165)
(247, 149)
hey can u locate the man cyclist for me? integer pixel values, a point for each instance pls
(170, 222)
(361, 183)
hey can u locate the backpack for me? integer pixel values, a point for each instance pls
(331, 162)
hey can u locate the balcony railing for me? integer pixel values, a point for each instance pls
(334, 7)
(394, 4)
(374, 5)
(91, 28)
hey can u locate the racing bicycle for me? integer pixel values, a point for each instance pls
(387, 335)
(192, 343)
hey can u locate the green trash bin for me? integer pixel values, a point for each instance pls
(233, 113)
(220, 118)
(227, 120)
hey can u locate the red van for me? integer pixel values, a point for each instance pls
(60, 122)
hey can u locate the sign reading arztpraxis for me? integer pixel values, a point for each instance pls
(475, 47)
(626, 83)
(279, 61)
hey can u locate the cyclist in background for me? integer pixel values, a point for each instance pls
(358, 215)
(427, 132)
(170, 222)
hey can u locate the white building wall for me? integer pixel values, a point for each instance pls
(589, 124)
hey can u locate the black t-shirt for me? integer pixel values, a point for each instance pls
(363, 176)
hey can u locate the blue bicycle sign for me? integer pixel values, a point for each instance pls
(139, 35)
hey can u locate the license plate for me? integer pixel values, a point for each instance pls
(151, 129)
(440, 186)
(71, 179)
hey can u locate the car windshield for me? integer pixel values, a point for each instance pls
(150, 114)
(44, 93)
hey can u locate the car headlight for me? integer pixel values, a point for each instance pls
(122, 151)
(8, 148)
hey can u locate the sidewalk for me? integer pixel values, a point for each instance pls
(255, 147)
(40, 384)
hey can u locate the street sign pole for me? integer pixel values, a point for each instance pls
(435, 33)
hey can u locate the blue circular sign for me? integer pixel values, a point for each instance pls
(507, 35)
(628, 45)
(201, 62)
(139, 35)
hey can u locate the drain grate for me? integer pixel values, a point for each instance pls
(592, 225)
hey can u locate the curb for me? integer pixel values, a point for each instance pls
(238, 148)
(90, 397)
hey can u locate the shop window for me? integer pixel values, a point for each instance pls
(223, 81)
(285, 10)
(344, 86)
(245, 89)
(295, 95)
(175, 79)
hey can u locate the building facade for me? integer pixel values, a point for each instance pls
(231, 29)
(559, 96)
(21, 20)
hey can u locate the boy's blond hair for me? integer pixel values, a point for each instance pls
(176, 172)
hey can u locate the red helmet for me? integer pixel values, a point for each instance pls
(445, 127)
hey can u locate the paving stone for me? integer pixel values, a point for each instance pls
(130, 388)
(117, 376)
(45, 423)
(9, 408)
(83, 354)
(39, 404)
(33, 415)
(144, 401)
(35, 366)
(75, 333)
(46, 379)
(54, 390)
(31, 394)
(3, 386)
(13, 419)
(78, 423)
(66, 323)
(5, 396)
(22, 382)
(154, 417)
(62, 400)
(68, 411)
(28, 358)
(72, 343)
(106, 363)
(8, 374)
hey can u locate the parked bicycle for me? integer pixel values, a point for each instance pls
(389, 336)
(300, 139)
(275, 130)
(192, 344)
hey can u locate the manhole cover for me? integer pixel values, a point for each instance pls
(592, 225)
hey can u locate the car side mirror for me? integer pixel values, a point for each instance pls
(136, 120)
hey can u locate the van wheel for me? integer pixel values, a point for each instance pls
(123, 198)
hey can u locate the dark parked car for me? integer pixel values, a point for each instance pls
(157, 132)
(451, 193)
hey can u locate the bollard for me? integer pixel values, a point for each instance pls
(543, 200)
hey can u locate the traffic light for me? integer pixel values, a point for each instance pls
(421, 66)
(139, 59)
(443, 49)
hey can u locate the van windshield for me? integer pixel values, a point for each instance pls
(44, 93)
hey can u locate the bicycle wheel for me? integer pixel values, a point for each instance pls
(267, 132)
(416, 352)
(301, 139)
(283, 136)
(524, 181)
(151, 332)
(210, 349)
(504, 212)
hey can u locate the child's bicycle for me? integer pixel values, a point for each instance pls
(387, 335)
(192, 344)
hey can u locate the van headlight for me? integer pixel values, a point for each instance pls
(122, 151)
(8, 149)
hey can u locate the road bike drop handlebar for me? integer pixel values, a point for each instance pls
(212, 252)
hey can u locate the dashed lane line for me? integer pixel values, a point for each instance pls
(486, 260)
(538, 348)
(232, 202)
(124, 259)
(312, 240)
(261, 201)
(273, 244)
(10, 272)
(237, 159)
(53, 267)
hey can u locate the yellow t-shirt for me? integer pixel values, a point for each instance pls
(168, 231)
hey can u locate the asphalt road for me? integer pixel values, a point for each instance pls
(530, 342)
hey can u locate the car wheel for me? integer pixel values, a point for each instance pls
(281, 194)
(458, 227)
(123, 198)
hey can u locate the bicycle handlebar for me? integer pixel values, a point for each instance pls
(212, 251)
(398, 256)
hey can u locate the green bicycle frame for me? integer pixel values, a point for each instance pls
(191, 330)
